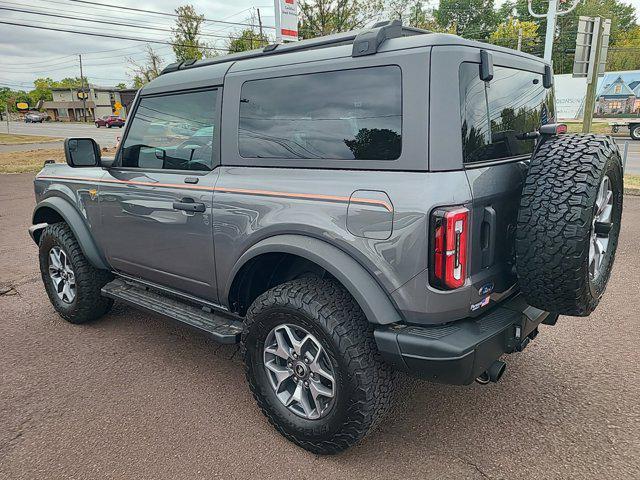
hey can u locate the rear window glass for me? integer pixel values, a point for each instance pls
(342, 115)
(496, 114)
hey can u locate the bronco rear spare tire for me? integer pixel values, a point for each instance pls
(569, 223)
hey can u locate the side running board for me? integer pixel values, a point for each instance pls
(222, 328)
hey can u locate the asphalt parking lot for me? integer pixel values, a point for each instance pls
(133, 396)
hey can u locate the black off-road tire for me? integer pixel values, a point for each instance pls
(364, 382)
(555, 221)
(88, 304)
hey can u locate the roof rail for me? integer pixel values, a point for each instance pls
(365, 42)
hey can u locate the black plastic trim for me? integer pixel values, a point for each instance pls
(457, 353)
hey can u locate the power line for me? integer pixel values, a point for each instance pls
(105, 22)
(106, 35)
(155, 12)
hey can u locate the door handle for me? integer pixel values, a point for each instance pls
(189, 205)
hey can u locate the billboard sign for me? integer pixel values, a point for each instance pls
(617, 95)
(286, 20)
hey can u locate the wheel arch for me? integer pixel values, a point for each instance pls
(55, 209)
(370, 296)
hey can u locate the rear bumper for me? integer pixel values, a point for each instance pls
(457, 353)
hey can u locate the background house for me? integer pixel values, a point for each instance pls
(618, 98)
(67, 104)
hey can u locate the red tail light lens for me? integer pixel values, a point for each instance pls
(449, 234)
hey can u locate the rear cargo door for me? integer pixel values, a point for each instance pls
(494, 116)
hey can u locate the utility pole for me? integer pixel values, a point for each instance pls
(260, 26)
(520, 39)
(551, 16)
(592, 74)
(276, 9)
(84, 95)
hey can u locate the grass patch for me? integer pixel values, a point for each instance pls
(596, 127)
(631, 181)
(32, 161)
(11, 139)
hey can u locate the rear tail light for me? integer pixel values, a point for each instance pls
(449, 235)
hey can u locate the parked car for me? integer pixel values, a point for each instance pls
(349, 206)
(35, 117)
(109, 121)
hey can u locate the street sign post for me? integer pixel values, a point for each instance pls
(592, 46)
(286, 12)
(588, 29)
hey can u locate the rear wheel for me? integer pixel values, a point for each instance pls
(72, 283)
(569, 223)
(312, 365)
(634, 131)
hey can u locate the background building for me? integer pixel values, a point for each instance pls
(67, 105)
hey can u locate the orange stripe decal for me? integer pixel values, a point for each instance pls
(243, 191)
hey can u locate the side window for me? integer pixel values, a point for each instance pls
(174, 132)
(496, 114)
(342, 115)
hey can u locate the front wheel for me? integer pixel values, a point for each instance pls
(72, 283)
(634, 131)
(313, 366)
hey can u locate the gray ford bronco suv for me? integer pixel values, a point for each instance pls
(343, 208)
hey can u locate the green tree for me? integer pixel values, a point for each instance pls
(42, 90)
(506, 35)
(414, 13)
(187, 44)
(248, 40)
(145, 71)
(324, 17)
(624, 54)
(622, 17)
(468, 18)
(121, 86)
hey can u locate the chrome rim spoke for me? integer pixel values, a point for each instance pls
(299, 371)
(602, 225)
(62, 275)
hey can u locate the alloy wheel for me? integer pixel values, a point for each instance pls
(299, 371)
(62, 275)
(602, 224)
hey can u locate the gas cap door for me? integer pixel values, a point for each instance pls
(370, 214)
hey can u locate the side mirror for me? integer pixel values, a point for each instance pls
(82, 152)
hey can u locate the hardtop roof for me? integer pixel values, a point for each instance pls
(211, 72)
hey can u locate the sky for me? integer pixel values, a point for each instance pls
(27, 54)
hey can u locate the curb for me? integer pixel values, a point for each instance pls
(632, 191)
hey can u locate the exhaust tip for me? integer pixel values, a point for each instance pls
(496, 370)
(493, 373)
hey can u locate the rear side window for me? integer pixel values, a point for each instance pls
(496, 114)
(342, 115)
(172, 132)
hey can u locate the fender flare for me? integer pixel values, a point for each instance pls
(78, 226)
(374, 301)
